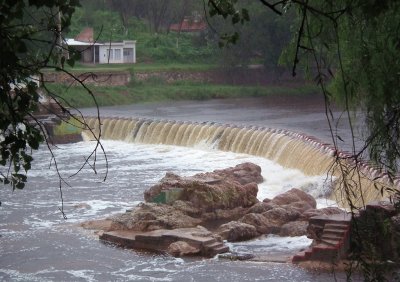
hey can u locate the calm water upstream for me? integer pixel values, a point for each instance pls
(37, 244)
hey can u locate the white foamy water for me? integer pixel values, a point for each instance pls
(37, 244)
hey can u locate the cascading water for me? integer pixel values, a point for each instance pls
(283, 147)
(289, 149)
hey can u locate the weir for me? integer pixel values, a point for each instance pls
(289, 149)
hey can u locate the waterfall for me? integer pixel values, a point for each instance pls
(289, 149)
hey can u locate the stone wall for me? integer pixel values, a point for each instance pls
(114, 78)
(234, 76)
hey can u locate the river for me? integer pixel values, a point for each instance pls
(38, 244)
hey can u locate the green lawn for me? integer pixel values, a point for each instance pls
(139, 67)
(157, 90)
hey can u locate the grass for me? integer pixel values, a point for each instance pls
(157, 91)
(139, 67)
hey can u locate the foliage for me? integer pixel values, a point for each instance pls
(30, 33)
(24, 51)
(156, 90)
(262, 37)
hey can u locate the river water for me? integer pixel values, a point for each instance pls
(37, 244)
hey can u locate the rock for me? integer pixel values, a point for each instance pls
(237, 231)
(260, 207)
(292, 197)
(224, 195)
(182, 248)
(260, 222)
(244, 173)
(187, 208)
(224, 201)
(207, 192)
(179, 242)
(224, 214)
(101, 224)
(281, 215)
(150, 216)
(236, 256)
(294, 228)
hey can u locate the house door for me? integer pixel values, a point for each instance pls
(128, 55)
(96, 54)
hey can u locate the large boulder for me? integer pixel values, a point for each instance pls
(244, 173)
(222, 189)
(294, 228)
(150, 216)
(281, 215)
(295, 198)
(261, 207)
(260, 222)
(235, 231)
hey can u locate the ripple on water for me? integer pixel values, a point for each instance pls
(37, 244)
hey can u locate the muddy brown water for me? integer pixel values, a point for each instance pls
(37, 244)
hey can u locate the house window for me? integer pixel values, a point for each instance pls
(110, 54)
(117, 54)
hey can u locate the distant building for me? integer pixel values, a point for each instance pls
(189, 24)
(103, 53)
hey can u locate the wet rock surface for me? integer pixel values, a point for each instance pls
(193, 215)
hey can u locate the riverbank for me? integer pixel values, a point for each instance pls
(160, 91)
(129, 84)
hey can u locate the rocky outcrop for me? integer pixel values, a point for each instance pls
(235, 231)
(151, 216)
(177, 210)
(282, 215)
(221, 189)
(177, 242)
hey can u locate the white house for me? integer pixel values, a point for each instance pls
(118, 52)
(103, 53)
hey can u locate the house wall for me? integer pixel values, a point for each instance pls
(117, 53)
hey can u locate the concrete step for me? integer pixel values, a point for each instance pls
(337, 226)
(299, 257)
(330, 242)
(332, 237)
(339, 232)
(302, 256)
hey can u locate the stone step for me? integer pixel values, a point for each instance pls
(332, 243)
(302, 256)
(299, 257)
(340, 232)
(332, 237)
(337, 226)
(326, 254)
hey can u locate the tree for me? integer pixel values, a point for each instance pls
(262, 39)
(31, 40)
(351, 48)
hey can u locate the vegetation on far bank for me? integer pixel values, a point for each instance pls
(157, 90)
(139, 67)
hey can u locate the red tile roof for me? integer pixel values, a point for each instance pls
(86, 35)
(188, 26)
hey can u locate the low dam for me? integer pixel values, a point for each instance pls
(287, 148)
